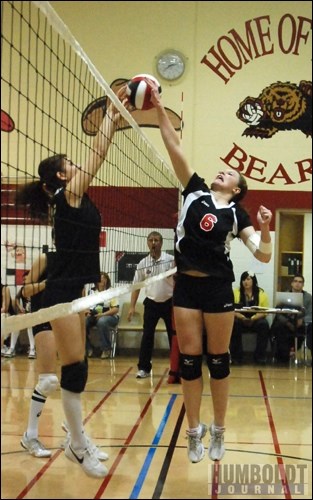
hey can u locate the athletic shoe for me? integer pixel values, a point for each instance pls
(88, 461)
(10, 353)
(195, 447)
(35, 447)
(4, 350)
(105, 354)
(216, 447)
(101, 455)
(142, 374)
(89, 353)
(32, 354)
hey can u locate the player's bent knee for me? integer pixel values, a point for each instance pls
(47, 383)
(218, 365)
(74, 376)
(190, 366)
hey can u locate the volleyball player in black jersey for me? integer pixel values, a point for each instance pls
(35, 283)
(203, 296)
(60, 194)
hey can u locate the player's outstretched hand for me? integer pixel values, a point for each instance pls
(264, 216)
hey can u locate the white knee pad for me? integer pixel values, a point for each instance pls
(47, 383)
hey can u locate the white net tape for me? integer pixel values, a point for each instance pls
(21, 321)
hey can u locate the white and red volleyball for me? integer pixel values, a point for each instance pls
(139, 91)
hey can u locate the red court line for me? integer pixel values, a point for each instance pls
(123, 450)
(214, 489)
(56, 455)
(108, 394)
(39, 475)
(280, 461)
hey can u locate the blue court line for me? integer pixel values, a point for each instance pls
(145, 468)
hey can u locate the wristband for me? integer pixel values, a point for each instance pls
(265, 247)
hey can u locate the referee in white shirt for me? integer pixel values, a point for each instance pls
(158, 301)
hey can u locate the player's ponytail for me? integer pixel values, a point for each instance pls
(37, 196)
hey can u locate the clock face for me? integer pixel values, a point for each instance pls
(170, 65)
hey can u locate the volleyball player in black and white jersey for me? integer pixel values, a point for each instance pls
(60, 194)
(203, 296)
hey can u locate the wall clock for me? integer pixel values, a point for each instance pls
(170, 65)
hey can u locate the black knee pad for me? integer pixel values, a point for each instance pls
(74, 377)
(190, 366)
(218, 365)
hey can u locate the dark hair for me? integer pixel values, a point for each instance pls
(298, 276)
(242, 184)
(37, 195)
(255, 287)
(107, 277)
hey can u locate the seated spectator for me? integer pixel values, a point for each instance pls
(249, 294)
(103, 316)
(284, 330)
(22, 306)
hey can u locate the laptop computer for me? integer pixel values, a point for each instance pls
(289, 300)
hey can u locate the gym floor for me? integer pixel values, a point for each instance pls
(142, 423)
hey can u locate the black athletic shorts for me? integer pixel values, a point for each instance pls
(208, 294)
(43, 327)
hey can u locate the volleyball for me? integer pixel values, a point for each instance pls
(139, 91)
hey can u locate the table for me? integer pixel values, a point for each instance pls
(275, 310)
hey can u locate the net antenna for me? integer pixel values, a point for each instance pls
(47, 84)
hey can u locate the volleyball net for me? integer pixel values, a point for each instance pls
(53, 102)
